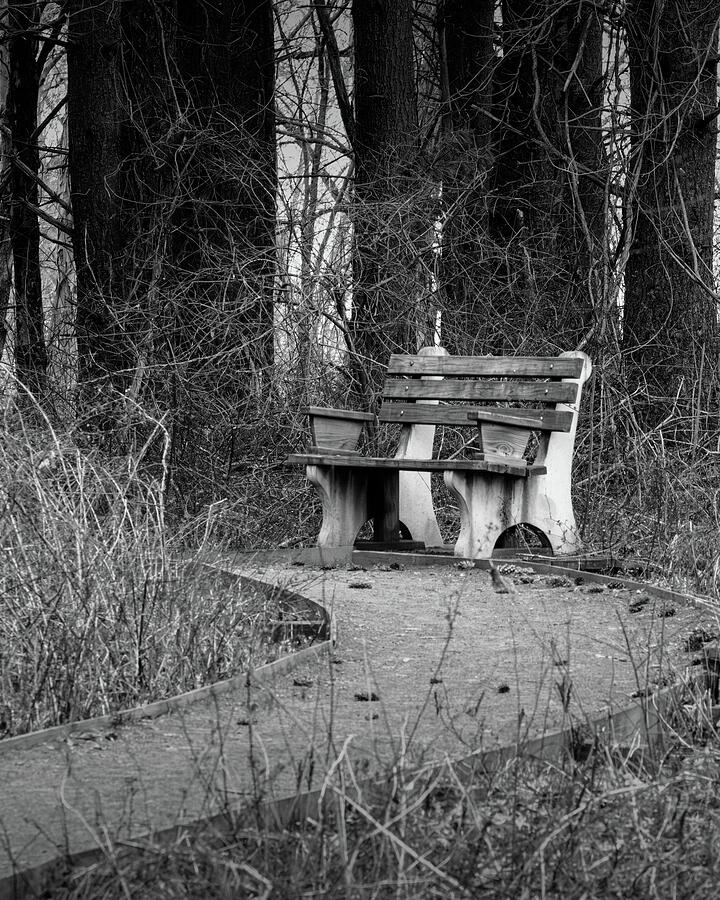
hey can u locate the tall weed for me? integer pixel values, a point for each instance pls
(98, 611)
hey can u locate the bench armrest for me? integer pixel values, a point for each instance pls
(336, 431)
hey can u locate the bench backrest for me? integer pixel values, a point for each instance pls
(464, 391)
(469, 381)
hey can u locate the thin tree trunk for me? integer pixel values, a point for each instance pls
(62, 346)
(30, 349)
(94, 124)
(5, 154)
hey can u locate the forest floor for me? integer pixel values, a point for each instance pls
(429, 664)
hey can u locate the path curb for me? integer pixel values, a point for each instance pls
(262, 675)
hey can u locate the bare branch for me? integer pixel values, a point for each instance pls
(328, 32)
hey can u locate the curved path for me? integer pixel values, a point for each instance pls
(430, 663)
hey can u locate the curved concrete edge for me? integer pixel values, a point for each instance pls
(262, 675)
(34, 882)
(643, 723)
(301, 556)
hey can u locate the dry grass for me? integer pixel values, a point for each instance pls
(99, 609)
(619, 823)
(643, 497)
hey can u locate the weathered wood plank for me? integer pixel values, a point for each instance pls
(333, 433)
(533, 391)
(414, 465)
(412, 414)
(507, 441)
(401, 546)
(487, 366)
(331, 413)
(536, 419)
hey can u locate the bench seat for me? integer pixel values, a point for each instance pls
(415, 465)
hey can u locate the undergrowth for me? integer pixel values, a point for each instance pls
(648, 500)
(100, 609)
(620, 822)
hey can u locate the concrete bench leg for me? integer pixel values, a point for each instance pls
(352, 496)
(417, 512)
(489, 504)
(344, 496)
(485, 505)
(548, 505)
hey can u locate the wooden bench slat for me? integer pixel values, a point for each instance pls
(536, 419)
(534, 391)
(420, 414)
(332, 413)
(486, 366)
(416, 465)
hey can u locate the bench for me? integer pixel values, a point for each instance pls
(515, 420)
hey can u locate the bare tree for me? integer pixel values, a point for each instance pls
(96, 143)
(5, 155)
(317, 167)
(226, 64)
(172, 159)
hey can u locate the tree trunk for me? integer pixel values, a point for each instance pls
(95, 163)
(548, 213)
(384, 299)
(670, 324)
(30, 349)
(226, 221)
(173, 187)
(467, 58)
(5, 156)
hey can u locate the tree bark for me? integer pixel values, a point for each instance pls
(467, 58)
(30, 349)
(173, 187)
(226, 61)
(95, 163)
(383, 318)
(670, 324)
(548, 215)
(5, 156)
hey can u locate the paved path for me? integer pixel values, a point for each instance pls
(453, 665)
